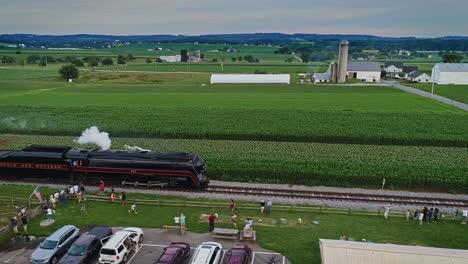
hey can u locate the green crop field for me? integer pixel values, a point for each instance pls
(455, 92)
(298, 134)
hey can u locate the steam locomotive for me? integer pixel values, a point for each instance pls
(60, 164)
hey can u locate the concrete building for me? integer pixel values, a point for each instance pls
(351, 252)
(250, 78)
(417, 76)
(364, 71)
(450, 73)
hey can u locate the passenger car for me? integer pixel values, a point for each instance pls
(207, 252)
(175, 253)
(239, 254)
(118, 247)
(55, 245)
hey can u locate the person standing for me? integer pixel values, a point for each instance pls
(234, 220)
(383, 183)
(232, 204)
(83, 203)
(123, 197)
(14, 224)
(177, 220)
(416, 214)
(49, 213)
(79, 196)
(182, 220)
(465, 215)
(82, 189)
(430, 214)
(24, 221)
(387, 210)
(211, 222)
(269, 204)
(112, 197)
(421, 218)
(425, 211)
(101, 187)
(436, 214)
(262, 206)
(52, 200)
(408, 213)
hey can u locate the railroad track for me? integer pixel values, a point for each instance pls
(287, 193)
(349, 197)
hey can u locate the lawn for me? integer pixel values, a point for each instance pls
(455, 92)
(299, 242)
(437, 168)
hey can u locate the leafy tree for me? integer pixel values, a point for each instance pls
(184, 55)
(77, 63)
(130, 57)
(249, 58)
(43, 61)
(202, 55)
(260, 72)
(93, 63)
(107, 61)
(121, 59)
(305, 57)
(18, 52)
(233, 59)
(158, 60)
(148, 60)
(401, 75)
(383, 74)
(214, 60)
(8, 59)
(33, 58)
(69, 71)
(452, 57)
(69, 59)
(239, 58)
(288, 60)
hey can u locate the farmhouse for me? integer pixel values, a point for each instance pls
(450, 73)
(393, 68)
(342, 251)
(417, 76)
(364, 71)
(250, 78)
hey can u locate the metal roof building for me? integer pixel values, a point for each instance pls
(350, 252)
(450, 73)
(250, 78)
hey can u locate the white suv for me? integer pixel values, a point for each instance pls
(118, 247)
(207, 253)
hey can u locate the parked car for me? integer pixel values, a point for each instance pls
(207, 252)
(239, 254)
(87, 246)
(55, 245)
(117, 248)
(175, 253)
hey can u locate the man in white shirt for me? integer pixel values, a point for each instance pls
(465, 215)
(177, 220)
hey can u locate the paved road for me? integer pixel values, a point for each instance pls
(428, 95)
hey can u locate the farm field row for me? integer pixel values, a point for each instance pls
(347, 165)
(455, 92)
(299, 242)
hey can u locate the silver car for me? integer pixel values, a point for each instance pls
(55, 245)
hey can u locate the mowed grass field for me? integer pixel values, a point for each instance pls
(455, 92)
(299, 242)
(297, 134)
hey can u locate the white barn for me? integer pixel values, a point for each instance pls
(250, 78)
(364, 71)
(450, 73)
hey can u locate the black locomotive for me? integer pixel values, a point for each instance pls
(58, 164)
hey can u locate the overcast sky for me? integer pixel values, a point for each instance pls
(421, 18)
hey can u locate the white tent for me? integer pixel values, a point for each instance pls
(250, 78)
(450, 73)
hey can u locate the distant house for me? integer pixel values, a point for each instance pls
(417, 76)
(231, 49)
(410, 69)
(404, 52)
(371, 51)
(364, 71)
(393, 68)
(450, 73)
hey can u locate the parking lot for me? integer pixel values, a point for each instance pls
(149, 250)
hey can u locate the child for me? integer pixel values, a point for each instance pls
(182, 220)
(177, 220)
(112, 196)
(133, 208)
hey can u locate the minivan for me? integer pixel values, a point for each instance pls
(55, 245)
(207, 253)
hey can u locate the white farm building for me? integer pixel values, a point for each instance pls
(364, 71)
(250, 78)
(450, 73)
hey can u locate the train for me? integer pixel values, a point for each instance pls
(63, 164)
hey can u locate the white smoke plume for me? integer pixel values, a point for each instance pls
(135, 148)
(93, 136)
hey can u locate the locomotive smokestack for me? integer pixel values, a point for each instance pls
(343, 61)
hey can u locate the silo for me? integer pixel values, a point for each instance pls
(343, 61)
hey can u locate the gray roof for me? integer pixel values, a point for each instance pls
(416, 74)
(398, 65)
(364, 66)
(322, 76)
(410, 69)
(452, 67)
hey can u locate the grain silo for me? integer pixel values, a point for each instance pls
(343, 61)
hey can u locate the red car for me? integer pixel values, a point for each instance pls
(239, 254)
(175, 253)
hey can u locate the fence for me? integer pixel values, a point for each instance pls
(5, 230)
